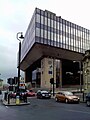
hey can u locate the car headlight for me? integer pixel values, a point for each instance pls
(49, 94)
(43, 94)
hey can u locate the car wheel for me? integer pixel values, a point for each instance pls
(88, 103)
(41, 97)
(66, 101)
(78, 102)
(56, 99)
(37, 97)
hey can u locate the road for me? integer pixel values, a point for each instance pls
(45, 109)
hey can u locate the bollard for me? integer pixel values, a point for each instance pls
(83, 96)
(5, 96)
(25, 98)
(17, 99)
(8, 98)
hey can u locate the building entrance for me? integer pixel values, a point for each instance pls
(71, 73)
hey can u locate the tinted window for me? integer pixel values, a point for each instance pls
(88, 94)
(68, 93)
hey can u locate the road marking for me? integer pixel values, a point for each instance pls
(6, 106)
(78, 111)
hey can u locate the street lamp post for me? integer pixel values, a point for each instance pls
(53, 76)
(19, 55)
(0, 74)
(80, 77)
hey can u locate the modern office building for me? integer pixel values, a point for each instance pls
(53, 48)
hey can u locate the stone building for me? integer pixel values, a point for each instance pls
(86, 71)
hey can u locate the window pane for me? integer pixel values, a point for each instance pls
(55, 24)
(45, 34)
(58, 25)
(41, 32)
(41, 19)
(38, 32)
(51, 23)
(63, 27)
(48, 22)
(51, 35)
(48, 35)
(38, 18)
(45, 21)
(66, 40)
(54, 37)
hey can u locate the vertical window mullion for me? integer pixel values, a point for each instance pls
(50, 29)
(59, 32)
(69, 36)
(40, 27)
(47, 30)
(53, 31)
(84, 39)
(65, 35)
(44, 28)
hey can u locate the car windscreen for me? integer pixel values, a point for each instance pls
(30, 90)
(22, 90)
(44, 92)
(88, 94)
(68, 93)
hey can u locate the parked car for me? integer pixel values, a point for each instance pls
(67, 97)
(88, 99)
(13, 95)
(43, 94)
(30, 93)
(22, 93)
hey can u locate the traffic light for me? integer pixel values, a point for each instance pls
(52, 80)
(10, 88)
(15, 80)
(10, 81)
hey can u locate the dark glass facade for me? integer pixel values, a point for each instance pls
(47, 28)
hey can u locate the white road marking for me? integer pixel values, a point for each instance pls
(6, 106)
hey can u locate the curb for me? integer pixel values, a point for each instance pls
(14, 104)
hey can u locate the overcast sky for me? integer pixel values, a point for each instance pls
(15, 16)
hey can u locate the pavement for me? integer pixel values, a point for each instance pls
(14, 103)
(21, 103)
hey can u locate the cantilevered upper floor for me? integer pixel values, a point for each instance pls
(50, 35)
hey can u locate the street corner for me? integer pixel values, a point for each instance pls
(14, 103)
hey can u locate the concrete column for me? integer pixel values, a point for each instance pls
(60, 74)
(54, 72)
(46, 72)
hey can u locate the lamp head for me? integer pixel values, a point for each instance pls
(21, 37)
